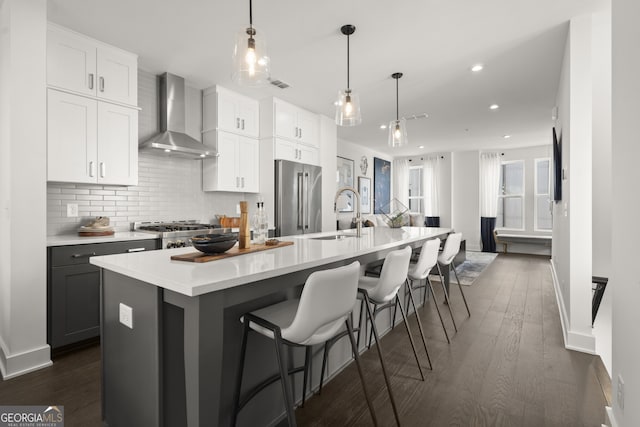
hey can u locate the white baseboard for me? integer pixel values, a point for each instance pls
(585, 343)
(14, 365)
(610, 417)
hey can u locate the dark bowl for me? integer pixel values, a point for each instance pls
(213, 238)
(214, 247)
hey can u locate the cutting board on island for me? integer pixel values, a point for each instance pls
(234, 251)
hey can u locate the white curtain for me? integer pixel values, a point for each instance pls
(489, 184)
(431, 178)
(401, 181)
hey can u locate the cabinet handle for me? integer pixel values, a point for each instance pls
(83, 255)
(297, 131)
(136, 249)
(237, 181)
(300, 133)
(90, 80)
(242, 124)
(242, 179)
(101, 84)
(237, 122)
(103, 169)
(92, 169)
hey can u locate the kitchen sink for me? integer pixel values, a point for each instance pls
(333, 237)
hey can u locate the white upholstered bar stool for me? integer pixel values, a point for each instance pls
(325, 305)
(419, 272)
(445, 259)
(382, 292)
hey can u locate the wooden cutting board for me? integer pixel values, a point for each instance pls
(95, 233)
(234, 251)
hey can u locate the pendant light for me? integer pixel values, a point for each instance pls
(397, 127)
(348, 104)
(250, 59)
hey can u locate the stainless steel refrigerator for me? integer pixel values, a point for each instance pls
(298, 198)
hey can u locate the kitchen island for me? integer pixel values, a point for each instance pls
(171, 332)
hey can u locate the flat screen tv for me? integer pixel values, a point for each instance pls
(557, 167)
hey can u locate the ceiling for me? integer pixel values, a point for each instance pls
(433, 42)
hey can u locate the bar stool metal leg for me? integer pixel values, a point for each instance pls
(356, 356)
(284, 377)
(424, 341)
(460, 286)
(307, 366)
(384, 368)
(433, 295)
(446, 297)
(243, 352)
(413, 345)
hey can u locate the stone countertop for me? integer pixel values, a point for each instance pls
(193, 279)
(74, 239)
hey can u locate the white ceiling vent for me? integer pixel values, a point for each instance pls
(416, 116)
(279, 83)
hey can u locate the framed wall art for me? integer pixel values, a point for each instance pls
(382, 185)
(364, 188)
(345, 178)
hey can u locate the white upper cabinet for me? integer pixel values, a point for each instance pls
(90, 141)
(237, 166)
(231, 112)
(295, 123)
(85, 66)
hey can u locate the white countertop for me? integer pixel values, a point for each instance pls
(74, 239)
(192, 279)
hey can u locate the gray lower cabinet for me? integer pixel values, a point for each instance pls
(73, 289)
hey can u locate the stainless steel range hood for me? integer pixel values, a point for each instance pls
(172, 138)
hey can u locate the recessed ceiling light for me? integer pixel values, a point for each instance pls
(166, 150)
(383, 126)
(494, 106)
(477, 67)
(420, 146)
(506, 136)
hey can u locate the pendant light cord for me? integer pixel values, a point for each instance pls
(397, 102)
(348, 86)
(251, 14)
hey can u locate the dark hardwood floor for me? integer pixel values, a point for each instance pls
(507, 366)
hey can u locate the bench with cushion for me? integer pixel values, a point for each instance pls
(505, 239)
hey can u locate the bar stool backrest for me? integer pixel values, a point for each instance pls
(392, 276)
(327, 299)
(451, 248)
(427, 260)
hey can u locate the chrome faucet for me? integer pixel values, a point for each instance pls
(357, 209)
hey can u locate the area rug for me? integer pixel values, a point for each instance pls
(473, 266)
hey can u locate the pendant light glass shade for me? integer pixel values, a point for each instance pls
(398, 133)
(348, 103)
(251, 63)
(398, 127)
(348, 109)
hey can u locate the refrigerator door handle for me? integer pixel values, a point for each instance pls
(300, 203)
(306, 201)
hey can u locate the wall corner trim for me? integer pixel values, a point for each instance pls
(12, 366)
(585, 343)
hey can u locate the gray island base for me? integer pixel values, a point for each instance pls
(176, 365)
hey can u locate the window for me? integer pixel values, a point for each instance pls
(543, 220)
(416, 195)
(511, 196)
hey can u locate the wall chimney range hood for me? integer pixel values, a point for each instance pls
(172, 138)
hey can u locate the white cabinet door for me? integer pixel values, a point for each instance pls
(71, 138)
(248, 110)
(248, 157)
(117, 76)
(308, 155)
(308, 128)
(71, 62)
(286, 125)
(117, 144)
(228, 177)
(285, 150)
(225, 109)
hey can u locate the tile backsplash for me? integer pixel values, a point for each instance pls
(168, 189)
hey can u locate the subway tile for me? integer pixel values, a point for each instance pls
(89, 197)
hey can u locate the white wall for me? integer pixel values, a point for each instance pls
(625, 282)
(465, 197)
(355, 152)
(23, 281)
(572, 236)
